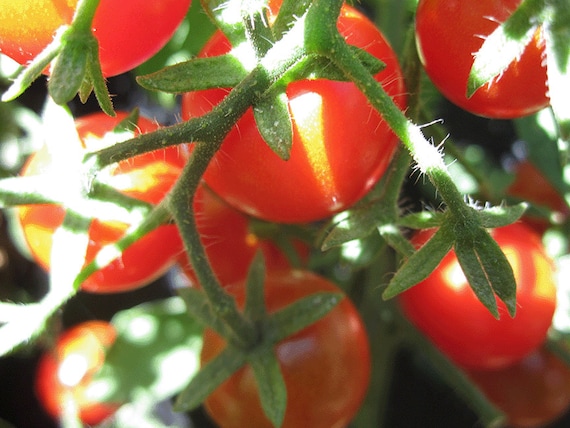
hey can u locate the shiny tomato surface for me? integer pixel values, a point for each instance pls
(64, 374)
(341, 145)
(446, 309)
(147, 177)
(129, 31)
(450, 32)
(326, 366)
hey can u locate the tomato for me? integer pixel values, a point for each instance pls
(229, 243)
(446, 309)
(341, 145)
(326, 366)
(532, 393)
(450, 32)
(532, 186)
(147, 177)
(63, 378)
(129, 32)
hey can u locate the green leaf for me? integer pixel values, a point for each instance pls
(209, 378)
(558, 64)
(487, 270)
(270, 384)
(255, 297)
(224, 71)
(421, 264)
(274, 121)
(501, 216)
(504, 45)
(300, 314)
(155, 355)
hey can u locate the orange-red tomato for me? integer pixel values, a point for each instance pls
(326, 366)
(64, 374)
(147, 177)
(450, 32)
(229, 243)
(129, 32)
(446, 309)
(532, 393)
(341, 145)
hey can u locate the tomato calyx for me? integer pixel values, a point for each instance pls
(267, 330)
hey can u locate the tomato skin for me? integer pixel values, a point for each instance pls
(229, 243)
(340, 149)
(445, 308)
(57, 381)
(129, 32)
(532, 393)
(449, 32)
(148, 177)
(326, 366)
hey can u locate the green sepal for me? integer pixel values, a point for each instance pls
(70, 67)
(558, 64)
(226, 15)
(199, 308)
(299, 315)
(422, 220)
(254, 309)
(210, 376)
(270, 384)
(95, 78)
(421, 263)
(504, 45)
(273, 121)
(356, 223)
(500, 216)
(487, 270)
(224, 71)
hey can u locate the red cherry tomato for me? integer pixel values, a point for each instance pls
(63, 378)
(341, 145)
(450, 32)
(229, 243)
(446, 309)
(129, 32)
(326, 366)
(146, 177)
(533, 392)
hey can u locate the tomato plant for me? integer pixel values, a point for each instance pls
(447, 310)
(449, 33)
(147, 177)
(64, 374)
(230, 244)
(533, 392)
(326, 171)
(27, 27)
(326, 366)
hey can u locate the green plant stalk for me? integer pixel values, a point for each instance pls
(84, 14)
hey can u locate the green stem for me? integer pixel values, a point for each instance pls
(84, 14)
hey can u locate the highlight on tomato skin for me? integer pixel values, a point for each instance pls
(147, 177)
(533, 392)
(326, 366)
(450, 32)
(447, 311)
(340, 148)
(129, 32)
(64, 374)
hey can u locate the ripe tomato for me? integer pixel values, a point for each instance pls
(450, 32)
(446, 309)
(532, 186)
(326, 366)
(146, 177)
(533, 392)
(230, 244)
(341, 145)
(63, 378)
(129, 32)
